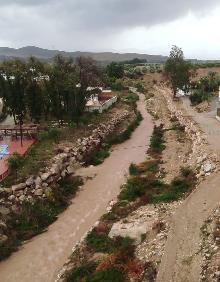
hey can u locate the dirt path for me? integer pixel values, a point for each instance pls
(41, 258)
(181, 261)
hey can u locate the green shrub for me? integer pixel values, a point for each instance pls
(103, 153)
(199, 96)
(133, 170)
(34, 218)
(134, 188)
(51, 134)
(177, 187)
(131, 98)
(99, 242)
(108, 275)
(15, 161)
(156, 141)
(100, 156)
(126, 134)
(82, 273)
(186, 171)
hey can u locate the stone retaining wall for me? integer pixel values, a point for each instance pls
(204, 163)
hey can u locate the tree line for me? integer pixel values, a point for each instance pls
(41, 91)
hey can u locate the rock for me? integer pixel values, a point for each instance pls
(217, 274)
(3, 239)
(48, 192)
(44, 185)
(4, 210)
(30, 181)
(22, 198)
(38, 181)
(56, 167)
(70, 170)
(45, 176)
(134, 230)
(3, 226)
(6, 190)
(15, 209)
(63, 173)
(38, 192)
(207, 167)
(18, 187)
(11, 197)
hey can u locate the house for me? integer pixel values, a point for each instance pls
(101, 101)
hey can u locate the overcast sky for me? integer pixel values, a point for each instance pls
(146, 26)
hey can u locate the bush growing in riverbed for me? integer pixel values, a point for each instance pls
(133, 170)
(157, 141)
(178, 187)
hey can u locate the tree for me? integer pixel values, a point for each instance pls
(115, 70)
(178, 70)
(34, 88)
(88, 74)
(13, 83)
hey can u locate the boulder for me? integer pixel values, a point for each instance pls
(207, 167)
(6, 190)
(134, 230)
(70, 170)
(45, 176)
(11, 197)
(38, 181)
(38, 192)
(18, 187)
(4, 210)
(30, 181)
(22, 198)
(3, 226)
(3, 239)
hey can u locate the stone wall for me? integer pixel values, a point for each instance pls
(200, 159)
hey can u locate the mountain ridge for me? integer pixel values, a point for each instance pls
(7, 53)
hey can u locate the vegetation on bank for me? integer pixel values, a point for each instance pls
(118, 264)
(144, 183)
(33, 217)
(103, 152)
(205, 88)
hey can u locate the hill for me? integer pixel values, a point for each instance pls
(104, 57)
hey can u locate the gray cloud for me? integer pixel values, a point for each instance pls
(76, 23)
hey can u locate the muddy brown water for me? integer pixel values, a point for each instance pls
(40, 259)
